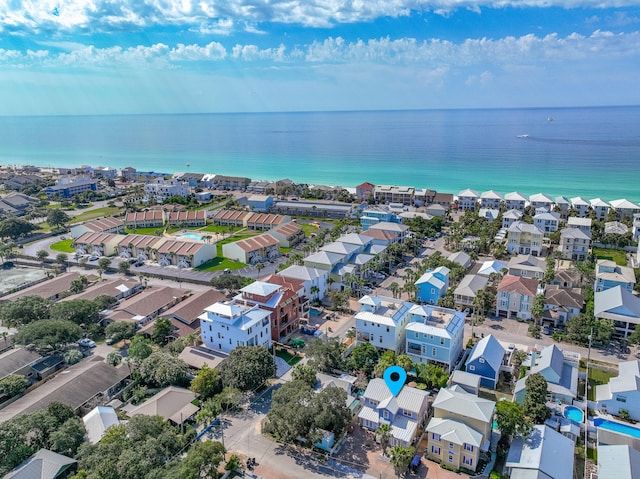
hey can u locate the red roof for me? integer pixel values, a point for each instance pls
(517, 284)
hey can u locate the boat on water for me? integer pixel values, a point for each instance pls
(549, 119)
(525, 135)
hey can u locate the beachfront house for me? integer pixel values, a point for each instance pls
(468, 199)
(435, 335)
(622, 392)
(406, 413)
(515, 297)
(490, 200)
(433, 285)
(515, 201)
(560, 370)
(541, 200)
(609, 275)
(225, 325)
(620, 306)
(524, 238)
(547, 222)
(574, 244)
(562, 206)
(583, 224)
(460, 430)
(543, 454)
(160, 190)
(625, 208)
(395, 194)
(580, 206)
(381, 321)
(68, 187)
(485, 361)
(600, 207)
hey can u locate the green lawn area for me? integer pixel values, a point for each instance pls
(95, 214)
(290, 360)
(219, 264)
(63, 246)
(285, 250)
(611, 254)
(231, 239)
(142, 231)
(218, 229)
(308, 228)
(597, 376)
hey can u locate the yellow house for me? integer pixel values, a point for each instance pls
(460, 429)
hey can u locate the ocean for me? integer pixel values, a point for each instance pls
(589, 152)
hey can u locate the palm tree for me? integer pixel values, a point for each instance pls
(395, 289)
(401, 458)
(384, 434)
(314, 290)
(114, 358)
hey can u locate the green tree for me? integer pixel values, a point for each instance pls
(78, 284)
(202, 460)
(535, 398)
(162, 369)
(67, 438)
(56, 218)
(537, 309)
(511, 419)
(61, 259)
(41, 255)
(104, 301)
(24, 310)
(433, 376)
(78, 311)
(139, 349)
(578, 328)
(13, 384)
(519, 355)
(124, 267)
(207, 382)
(364, 357)
(104, 264)
(119, 330)
(161, 330)
(384, 434)
(49, 332)
(304, 373)
(387, 359)
(114, 358)
(247, 368)
(401, 457)
(15, 227)
(73, 356)
(325, 356)
(228, 399)
(404, 361)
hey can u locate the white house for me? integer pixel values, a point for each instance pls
(527, 266)
(225, 325)
(490, 200)
(622, 392)
(547, 222)
(600, 207)
(511, 217)
(620, 306)
(98, 420)
(314, 280)
(543, 454)
(625, 208)
(381, 321)
(540, 200)
(515, 201)
(583, 224)
(160, 189)
(580, 206)
(468, 199)
(562, 206)
(574, 244)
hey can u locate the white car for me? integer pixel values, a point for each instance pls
(87, 343)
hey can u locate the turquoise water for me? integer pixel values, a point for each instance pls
(191, 236)
(617, 427)
(574, 413)
(314, 312)
(590, 152)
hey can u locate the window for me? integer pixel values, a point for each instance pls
(451, 459)
(387, 329)
(450, 445)
(380, 338)
(210, 328)
(385, 414)
(481, 360)
(468, 447)
(621, 398)
(219, 336)
(472, 368)
(441, 340)
(435, 437)
(467, 460)
(406, 413)
(434, 351)
(433, 291)
(435, 450)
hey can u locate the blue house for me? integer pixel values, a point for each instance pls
(435, 335)
(260, 203)
(485, 360)
(373, 215)
(432, 285)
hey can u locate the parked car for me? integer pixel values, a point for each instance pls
(86, 343)
(93, 258)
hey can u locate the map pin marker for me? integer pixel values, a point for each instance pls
(394, 377)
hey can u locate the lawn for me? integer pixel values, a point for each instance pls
(219, 264)
(618, 256)
(95, 214)
(309, 229)
(230, 239)
(143, 231)
(218, 229)
(289, 359)
(63, 246)
(598, 376)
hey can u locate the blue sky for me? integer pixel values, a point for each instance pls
(164, 56)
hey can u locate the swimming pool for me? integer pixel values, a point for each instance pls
(574, 413)
(191, 236)
(315, 312)
(617, 427)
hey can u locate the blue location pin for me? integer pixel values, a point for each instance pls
(394, 377)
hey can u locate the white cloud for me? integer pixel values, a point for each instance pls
(97, 15)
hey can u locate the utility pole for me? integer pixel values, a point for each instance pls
(586, 401)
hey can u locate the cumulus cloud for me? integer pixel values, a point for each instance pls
(429, 55)
(99, 15)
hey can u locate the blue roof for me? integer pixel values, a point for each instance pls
(490, 349)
